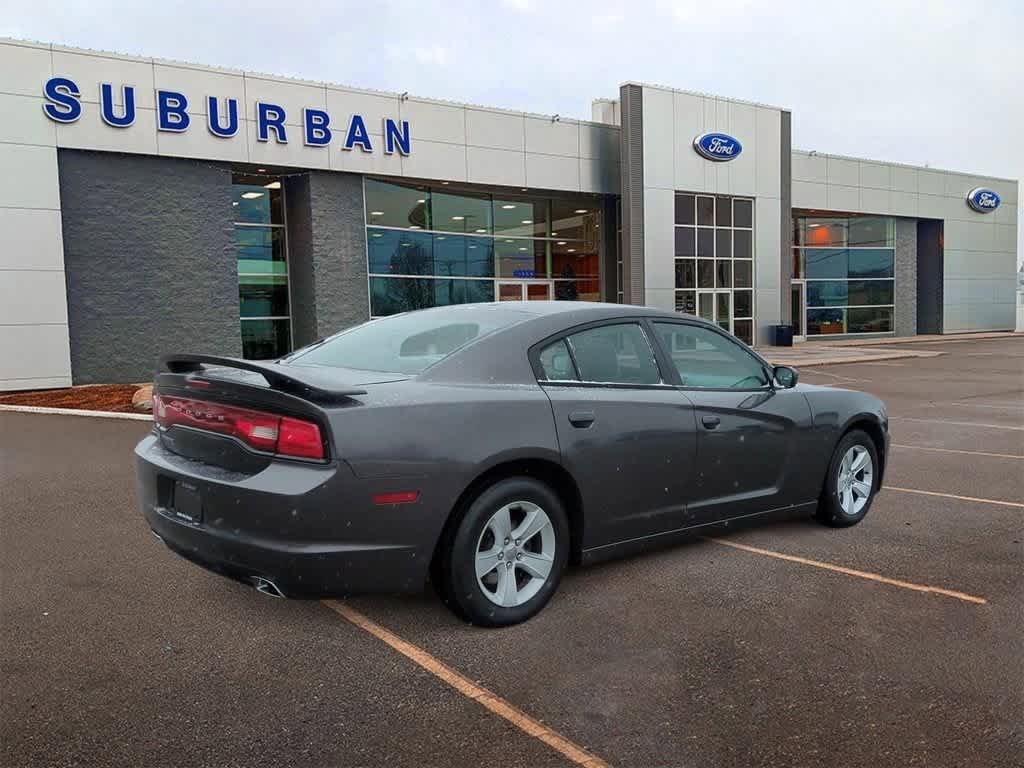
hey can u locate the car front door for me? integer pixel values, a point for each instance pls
(750, 433)
(626, 434)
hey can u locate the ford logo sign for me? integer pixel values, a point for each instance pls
(983, 200)
(717, 146)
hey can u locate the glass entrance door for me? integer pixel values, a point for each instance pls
(716, 306)
(524, 290)
(798, 301)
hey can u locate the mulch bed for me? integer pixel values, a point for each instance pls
(98, 397)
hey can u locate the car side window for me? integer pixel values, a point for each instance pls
(556, 363)
(708, 359)
(617, 354)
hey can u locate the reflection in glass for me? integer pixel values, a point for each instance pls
(743, 274)
(263, 295)
(265, 339)
(260, 249)
(869, 319)
(723, 309)
(743, 330)
(705, 243)
(742, 244)
(840, 263)
(723, 244)
(395, 205)
(254, 203)
(522, 217)
(390, 295)
(744, 303)
(464, 212)
(686, 273)
(686, 301)
(723, 212)
(685, 209)
(743, 213)
(523, 259)
(723, 273)
(706, 273)
(706, 211)
(686, 242)
(826, 321)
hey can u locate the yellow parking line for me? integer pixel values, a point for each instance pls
(954, 450)
(852, 572)
(957, 423)
(954, 496)
(492, 702)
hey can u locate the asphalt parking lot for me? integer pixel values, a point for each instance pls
(783, 644)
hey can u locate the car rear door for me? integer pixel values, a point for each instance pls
(625, 433)
(750, 432)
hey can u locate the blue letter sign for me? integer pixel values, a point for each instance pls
(717, 146)
(62, 100)
(983, 200)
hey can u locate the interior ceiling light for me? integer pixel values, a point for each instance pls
(554, 234)
(561, 242)
(261, 170)
(522, 249)
(421, 200)
(527, 221)
(814, 225)
(510, 241)
(444, 183)
(377, 234)
(414, 226)
(251, 195)
(376, 213)
(581, 210)
(458, 218)
(481, 230)
(508, 206)
(572, 250)
(440, 237)
(234, 202)
(272, 185)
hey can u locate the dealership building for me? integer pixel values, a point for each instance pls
(153, 206)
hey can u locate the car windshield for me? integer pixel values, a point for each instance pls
(410, 342)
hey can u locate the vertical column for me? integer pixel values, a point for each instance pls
(34, 349)
(632, 170)
(905, 284)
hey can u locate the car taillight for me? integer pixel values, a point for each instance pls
(282, 435)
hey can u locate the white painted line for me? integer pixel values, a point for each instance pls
(1005, 407)
(954, 450)
(997, 502)
(957, 423)
(76, 412)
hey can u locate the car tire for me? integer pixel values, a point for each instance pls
(491, 583)
(851, 482)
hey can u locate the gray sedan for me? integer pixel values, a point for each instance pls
(485, 446)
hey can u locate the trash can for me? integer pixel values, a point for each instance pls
(782, 335)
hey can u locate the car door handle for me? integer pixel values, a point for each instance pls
(581, 419)
(711, 422)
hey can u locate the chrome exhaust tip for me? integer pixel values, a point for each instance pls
(266, 587)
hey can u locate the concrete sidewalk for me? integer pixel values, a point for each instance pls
(811, 353)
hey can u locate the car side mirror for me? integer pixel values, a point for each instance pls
(785, 376)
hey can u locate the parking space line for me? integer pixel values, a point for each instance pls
(954, 496)
(492, 702)
(851, 572)
(954, 450)
(957, 423)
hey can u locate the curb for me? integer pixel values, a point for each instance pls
(75, 412)
(814, 361)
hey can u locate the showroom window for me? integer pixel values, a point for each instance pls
(264, 305)
(846, 267)
(432, 245)
(714, 260)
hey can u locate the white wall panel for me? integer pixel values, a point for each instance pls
(291, 95)
(357, 161)
(198, 84)
(659, 240)
(198, 142)
(434, 122)
(495, 166)
(767, 157)
(843, 198)
(342, 104)
(551, 171)
(599, 176)
(931, 182)
(24, 121)
(90, 132)
(768, 235)
(88, 70)
(436, 160)
(548, 137)
(904, 179)
(35, 168)
(808, 194)
(843, 172)
(659, 139)
(495, 130)
(32, 297)
(690, 168)
(25, 68)
(292, 153)
(875, 175)
(30, 239)
(34, 356)
(599, 141)
(810, 168)
(875, 201)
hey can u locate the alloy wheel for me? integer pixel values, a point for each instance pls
(515, 553)
(855, 481)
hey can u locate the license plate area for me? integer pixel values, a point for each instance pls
(186, 502)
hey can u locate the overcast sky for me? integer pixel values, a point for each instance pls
(939, 82)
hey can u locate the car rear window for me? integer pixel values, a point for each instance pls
(410, 342)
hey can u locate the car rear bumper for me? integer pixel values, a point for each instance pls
(251, 531)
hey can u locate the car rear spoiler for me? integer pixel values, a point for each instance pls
(303, 382)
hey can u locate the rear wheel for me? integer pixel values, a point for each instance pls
(506, 557)
(850, 484)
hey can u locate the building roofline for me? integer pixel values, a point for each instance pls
(704, 95)
(138, 58)
(815, 153)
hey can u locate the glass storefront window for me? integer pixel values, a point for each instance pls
(848, 264)
(262, 257)
(714, 250)
(390, 205)
(448, 232)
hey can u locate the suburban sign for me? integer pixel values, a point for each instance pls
(717, 146)
(983, 200)
(63, 105)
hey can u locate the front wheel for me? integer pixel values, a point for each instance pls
(506, 557)
(851, 482)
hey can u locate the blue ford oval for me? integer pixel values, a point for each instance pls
(983, 200)
(717, 146)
